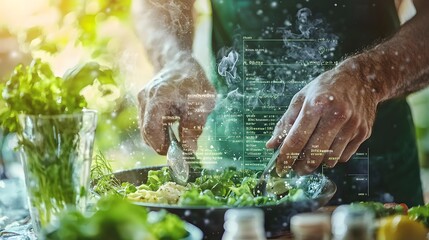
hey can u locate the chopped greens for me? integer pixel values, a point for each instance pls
(213, 188)
(102, 173)
(155, 178)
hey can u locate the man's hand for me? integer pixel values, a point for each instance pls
(179, 92)
(326, 121)
(330, 117)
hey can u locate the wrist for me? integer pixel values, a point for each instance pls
(180, 60)
(369, 73)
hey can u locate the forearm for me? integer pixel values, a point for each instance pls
(399, 65)
(165, 28)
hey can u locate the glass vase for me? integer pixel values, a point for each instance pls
(56, 153)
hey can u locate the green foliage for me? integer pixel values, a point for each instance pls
(155, 178)
(83, 75)
(53, 167)
(35, 90)
(226, 188)
(380, 210)
(229, 187)
(116, 218)
(102, 176)
(81, 24)
(46, 104)
(420, 213)
(195, 197)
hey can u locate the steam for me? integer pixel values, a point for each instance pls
(263, 76)
(311, 41)
(227, 68)
(308, 50)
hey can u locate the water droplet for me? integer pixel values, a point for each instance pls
(287, 23)
(259, 12)
(274, 4)
(331, 98)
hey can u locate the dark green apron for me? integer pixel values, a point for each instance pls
(390, 171)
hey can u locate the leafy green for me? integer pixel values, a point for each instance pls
(102, 175)
(116, 218)
(35, 90)
(155, 178)
(420, 213)
(195, 197)
(380, 210)
(83, 75)
(46, 112)
(226, 188)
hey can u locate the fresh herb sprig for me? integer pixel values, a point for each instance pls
(105, 183)
(35, 90)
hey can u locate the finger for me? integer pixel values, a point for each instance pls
(142, 107)
(157, 116)
(194, 118)
(353, 146)
(319, 143)
(190, 129)
(346, 134)
(338, 145)
(284, 125)
(296, 139)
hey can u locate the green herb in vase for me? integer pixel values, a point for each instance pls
(55, 133)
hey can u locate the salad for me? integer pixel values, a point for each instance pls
(229, 187)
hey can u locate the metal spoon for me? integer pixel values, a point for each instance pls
(276, 187)
(180, 162)
(261, 185)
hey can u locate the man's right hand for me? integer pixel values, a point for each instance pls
(179, 92)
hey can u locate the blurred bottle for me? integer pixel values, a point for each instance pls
(11, 55)
(311, 226)
(244, 224)
(352, 223)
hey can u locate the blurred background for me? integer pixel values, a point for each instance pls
(65, 33)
